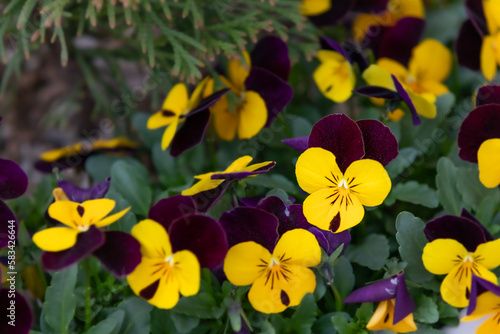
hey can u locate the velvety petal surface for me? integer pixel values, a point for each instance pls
(316, 168)
(120, 254)
(380, 143)
(169, 209)
(382, 290)
(488, 94)
(13, 180)
(55, 239)
(271, 53)
(191, 133)
(299, 247)
(290, 217)
(468, 46)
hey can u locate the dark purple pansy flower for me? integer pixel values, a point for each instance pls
(350, 141)
(189, 230)
(340, 8)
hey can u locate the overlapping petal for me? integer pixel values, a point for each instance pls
(488, 159)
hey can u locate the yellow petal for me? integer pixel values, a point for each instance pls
(153, 238)
(442, 255)
(490, 325)
(406, 8)
(111, 219)
(487, 254)
(431, 61)
(238, 71)
(66, 213)
(393, 67)
(328, 55)
(488, 158)
(252, 115)
(486, 303)
(113, 143)
(245, 262)
(300, 246)
(316, 168)
(202, 185)
(169, 134)
(167, 294)
(276, 293)
(59, 195)
(383, 318)
(368, 180)
(225, 120)
(375, 75)
(396, 115)
(187, 272)
(56, 239)
(314, 7)
(335, 80)
(161, 119)
(57, 154)
(95, 210)
(433, 87)
(488, 58)
(422, 105)
(197, 95)
(238, 164)
(492, 14)
(361, 26)
(176, 100)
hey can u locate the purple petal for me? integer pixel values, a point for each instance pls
(340, 135)
(357, 56)
(405, 97)
(468, 46)
(370, 6)
(374, 37)
(120, 253)
(467, 232)
(475, 11)
(289, 218)
(321, 238)
(336, 239)
(191, 133)
(271, 53)
(379, 291)
(6, 215)
(298, 143)
(479, 286)
(205, 200)
(86, 244)
(169, 209)
(467, 214)
(251, 201)
(13, 180)
(406, 35)
(276, 92)
(379, 92)
(380, 143)
(203, 236)
(404, 303)
(20, 313)
(329, 44)
(242, 175)
(337, 12)
(77, 194)
(208, 101)
(489, 94)
(250, 224)
(481, 124)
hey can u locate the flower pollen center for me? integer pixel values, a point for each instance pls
(273, 262)
(170, 260)
(343, 183)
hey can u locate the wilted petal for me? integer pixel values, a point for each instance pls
(380, 143)
(13, 180)
(169, 209)
(271, 53)
(120, 254)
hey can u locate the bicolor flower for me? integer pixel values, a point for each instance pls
(484, 303)
(479, 136)
(459, 247)
(279, 279)
(80, 236)
(343, 170)
(211, 186)
(179, 108)
(75, 155)
(330, 12)
(479, 38)
(258, 85)
(394, 312)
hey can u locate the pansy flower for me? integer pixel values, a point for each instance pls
(479, 136)
(484, 303)
(459, 247)
(176, 242)
(394, 312)
(75, 155)
(258, 85)
(179, 108)
(479, 37)
(343, 170)
(211, 186)
(80, 236)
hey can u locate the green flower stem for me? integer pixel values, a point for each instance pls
(88, 311)
(338, 299)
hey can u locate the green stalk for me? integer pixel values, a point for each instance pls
(338, 299)
(88, 310)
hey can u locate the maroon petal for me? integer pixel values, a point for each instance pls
(405, 97)
(289, 218)
(251, 201)
(489, 94)
(475, 11)
(70, 161)
(203, 236)
(374, 37)
(169, 209)
(404, 303)
(481, 124)
(205, 200)
(250, 224)
(468, 46)
(479, 286)
(467, 232)
(271, 53)
(405, 34)
(208, 101)
(19, 313)
(120, 253)
(337, 12)
(298, 143)
(6, 215)
(13, 180)
(241, 175)
(468, 215)
(276, 92)
(357, 56)
(191, 133)
(340, 135)
(86, 244)
(379, 92)
(380, 143)
(370, 6)
(77, 194)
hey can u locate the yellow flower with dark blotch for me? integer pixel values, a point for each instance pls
(162, 275)
(315, 7)
(336, 199)
(334, 76)
(383, 319)
(450, 257)
(280, 279)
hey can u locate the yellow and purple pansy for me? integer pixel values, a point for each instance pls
(394, 312)
(330, 12)
(484, 303)
(479, 136)
(258, 85)
(458, 248)
(192, 111)
(343, 170)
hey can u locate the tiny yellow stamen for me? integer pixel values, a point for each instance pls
(343, 183)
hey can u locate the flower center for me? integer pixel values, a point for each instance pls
(83, 228)
(273, 262)
(343, 183)
(170, 260)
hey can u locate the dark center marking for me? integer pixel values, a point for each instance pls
(167, 113)
(285, 300)
(335, 223)
(81, 210)
(149, 292)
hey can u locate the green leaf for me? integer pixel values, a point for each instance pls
(405, 158)
(426, 311)
(304, 316)
(149, 137)
(43, 193)
(137, 316)
(412, 240)
(365, 312)
(413, 192)
(446, 310)
(132, 186)
(99, 166)
(372, 253)
(472, 190)
(341, 323)
(128, 221)
(110, 325)
(184, 323)
(60, 300)
(273, 181)
(165, 165)
(200, 305)
(447, 192)
(343, 277)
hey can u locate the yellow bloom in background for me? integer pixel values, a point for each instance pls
(334, 76)
(488, 159)
(448, 256)
(162, 275)
(280, 279)
(336, 200)
(315, 7)
(490, 48)
(383, 319)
